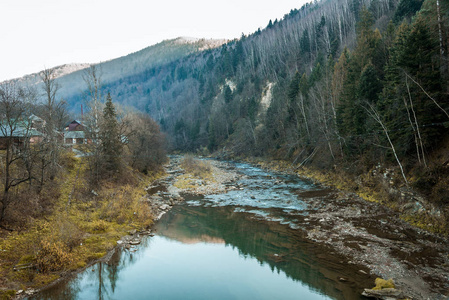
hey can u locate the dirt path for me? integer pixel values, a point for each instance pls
(369, 235)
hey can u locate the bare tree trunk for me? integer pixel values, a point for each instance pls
(13, 105)
(50, 151)
(375, 115)
(418, 152)
(5, 198)
(440, 36)
(430, 97)
(92, 78)
(416, 127)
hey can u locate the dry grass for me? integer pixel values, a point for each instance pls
(81, 228)
(196, 167)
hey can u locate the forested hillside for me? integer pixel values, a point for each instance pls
(317, 79)
(352, 83)
(352, 93)
(337, 83)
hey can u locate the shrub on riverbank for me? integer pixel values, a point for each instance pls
(383, 284)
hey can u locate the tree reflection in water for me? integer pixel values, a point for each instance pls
(272, 244)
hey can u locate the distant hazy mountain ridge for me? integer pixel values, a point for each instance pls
(34, 78)
(70, 76)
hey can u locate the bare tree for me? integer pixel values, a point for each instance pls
(146, 144)
(92, 78)
(427, 94)
(415, 126)
(372, 111)
(91, 122)
(15, 130)
(49, 146)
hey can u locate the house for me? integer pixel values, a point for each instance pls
(18, 133)
(74, 134)
(74, 138)
(37, 123)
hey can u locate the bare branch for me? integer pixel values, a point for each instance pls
(430, 97)
(375, 115)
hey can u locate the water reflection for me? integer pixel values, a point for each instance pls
(96, 282)
(240, 245)
(282, 248)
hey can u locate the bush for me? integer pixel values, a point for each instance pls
(124, 206)
(53, 256)
(68, 232)
(97, 226)
(383, 284)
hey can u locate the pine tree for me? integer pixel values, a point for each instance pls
(369, 85)
(227, 93)
(293, 88)
(409, 112)
(350, 111)
(111, 143)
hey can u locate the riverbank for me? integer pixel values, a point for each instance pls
(82, 227)
(88, 225)
(362, 225)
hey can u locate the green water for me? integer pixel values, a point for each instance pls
(204, 249)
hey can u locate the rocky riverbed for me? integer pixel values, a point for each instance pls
(166, 192)
(371, 237)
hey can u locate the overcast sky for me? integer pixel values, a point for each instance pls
(38, 34)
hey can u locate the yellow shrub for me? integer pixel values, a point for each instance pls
(143, 214)
(68, 159)
(98, 226)
(53, 256)
(383, 284)
(6, 295)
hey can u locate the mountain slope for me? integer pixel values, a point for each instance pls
(70, 77)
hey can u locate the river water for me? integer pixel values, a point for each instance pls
(244, 244)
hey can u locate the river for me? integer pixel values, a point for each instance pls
(242, 244)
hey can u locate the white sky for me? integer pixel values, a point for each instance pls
(38, 34)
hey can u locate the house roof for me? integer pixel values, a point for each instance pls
(72, 122)
(18, 132)
(21, 127)
(35, 118)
